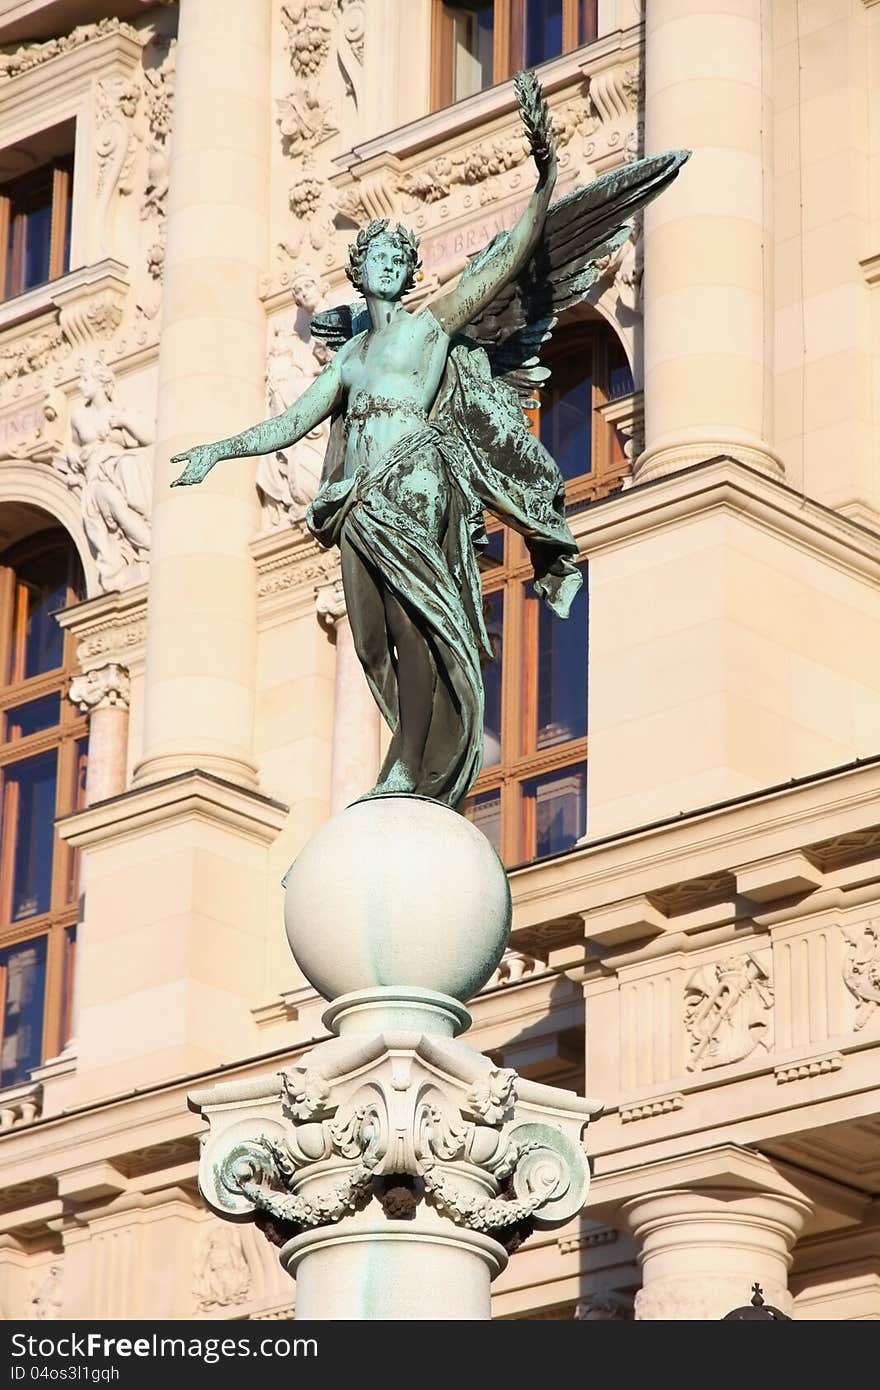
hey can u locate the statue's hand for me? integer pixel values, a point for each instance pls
(199, 461)
(535, 117)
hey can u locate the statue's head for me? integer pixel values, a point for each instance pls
(384, 260)
(306, 288)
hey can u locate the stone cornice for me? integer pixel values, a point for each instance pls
(191, 795)
(291, 567)
(725, 484)
(29, 95)
(109, 628)
(710, 841)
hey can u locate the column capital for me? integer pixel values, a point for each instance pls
(330, 605)
(101, 688)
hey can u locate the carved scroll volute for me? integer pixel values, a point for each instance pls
(118, 123)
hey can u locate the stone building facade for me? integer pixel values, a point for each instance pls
(684, 782)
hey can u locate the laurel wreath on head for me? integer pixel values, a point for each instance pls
(535, 115)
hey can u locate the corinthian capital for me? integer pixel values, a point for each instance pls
(100, 689)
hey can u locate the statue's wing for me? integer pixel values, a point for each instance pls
(580, 231)
(335, 326)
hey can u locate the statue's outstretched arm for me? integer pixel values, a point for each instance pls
(318, 401)
(481, 285)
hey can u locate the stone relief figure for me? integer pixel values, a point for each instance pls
(222, 1274)
(861, 972)
(109, 468)
(428, 431)
(287, 482)
(47, 1296)
(727, 1011)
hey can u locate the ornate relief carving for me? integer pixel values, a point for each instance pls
(330, 604)
(802, 1071)
(350, 50)
(107, 467)
(604, 1307)
(159, 83)
(31, 55)
(515, 966)
(222, 1276)
(47, 1294)
(304, 121)
(31, 354)
(602, 1235)
(287, 481)
(309, 28)
(117, 106)
(728, 1006)
(101, 688)
(309, 197)
(861, 972)
(672, 1302)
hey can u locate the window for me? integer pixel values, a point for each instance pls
(478, 42)
(530, 798)
(43, 747)
(35, 210)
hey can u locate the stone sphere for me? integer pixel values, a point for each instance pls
(397, 891)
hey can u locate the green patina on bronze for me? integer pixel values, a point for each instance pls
(428, 432)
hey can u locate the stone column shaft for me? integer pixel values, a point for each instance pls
(355, 756)
(708, 297)
(103, 694)
(201, 631)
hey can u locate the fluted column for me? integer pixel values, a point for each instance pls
(702, 1250)
(103, 694)
(354, 759)
(708, 291)
(201, 632)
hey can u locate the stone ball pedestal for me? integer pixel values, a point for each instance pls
(398, 911)
(394, 1162)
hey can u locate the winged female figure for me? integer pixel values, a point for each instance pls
(428, 432)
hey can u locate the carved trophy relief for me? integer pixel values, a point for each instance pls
(222, 1276)
(727, 1011)
(287, 481)
(304, 121)
(861, 972)
(106, 464)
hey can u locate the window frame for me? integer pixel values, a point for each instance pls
(508, 53)
(66, 736)
(12, 224)
(519, 764)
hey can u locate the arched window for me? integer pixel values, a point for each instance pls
(530, 798)
(43, 745)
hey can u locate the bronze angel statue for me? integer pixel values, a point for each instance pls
(428, 432)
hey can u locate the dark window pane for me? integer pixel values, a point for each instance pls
(473, 37)
(493, 554)
(46, 580)
(620, 378)
(37, 237)
(484, 811)
(28, 817)
(493, 612)
(562, 672)
(554, 812)
(22, 992)
(543, 30)
(588, 26)
(32, 717)
(567, 422)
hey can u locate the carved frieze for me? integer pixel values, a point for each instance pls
(727, 1011)
(861, 972)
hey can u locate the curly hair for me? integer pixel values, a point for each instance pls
(405, 239)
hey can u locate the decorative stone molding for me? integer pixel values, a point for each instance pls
(222, 1276)
(119, 135)
(330, 605)
(308, 25)
(607, 1306)
(33, 55)
(601, 1235)
(646, 1110)
(20, 1106)
(101, 687)
(304, 121)
(90, 309)
(727, 1011)
(109, 630)
(47, 1295)
(159, 87)
(802, 1071)
(291, 566)
(861, 972)
(350, 48)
